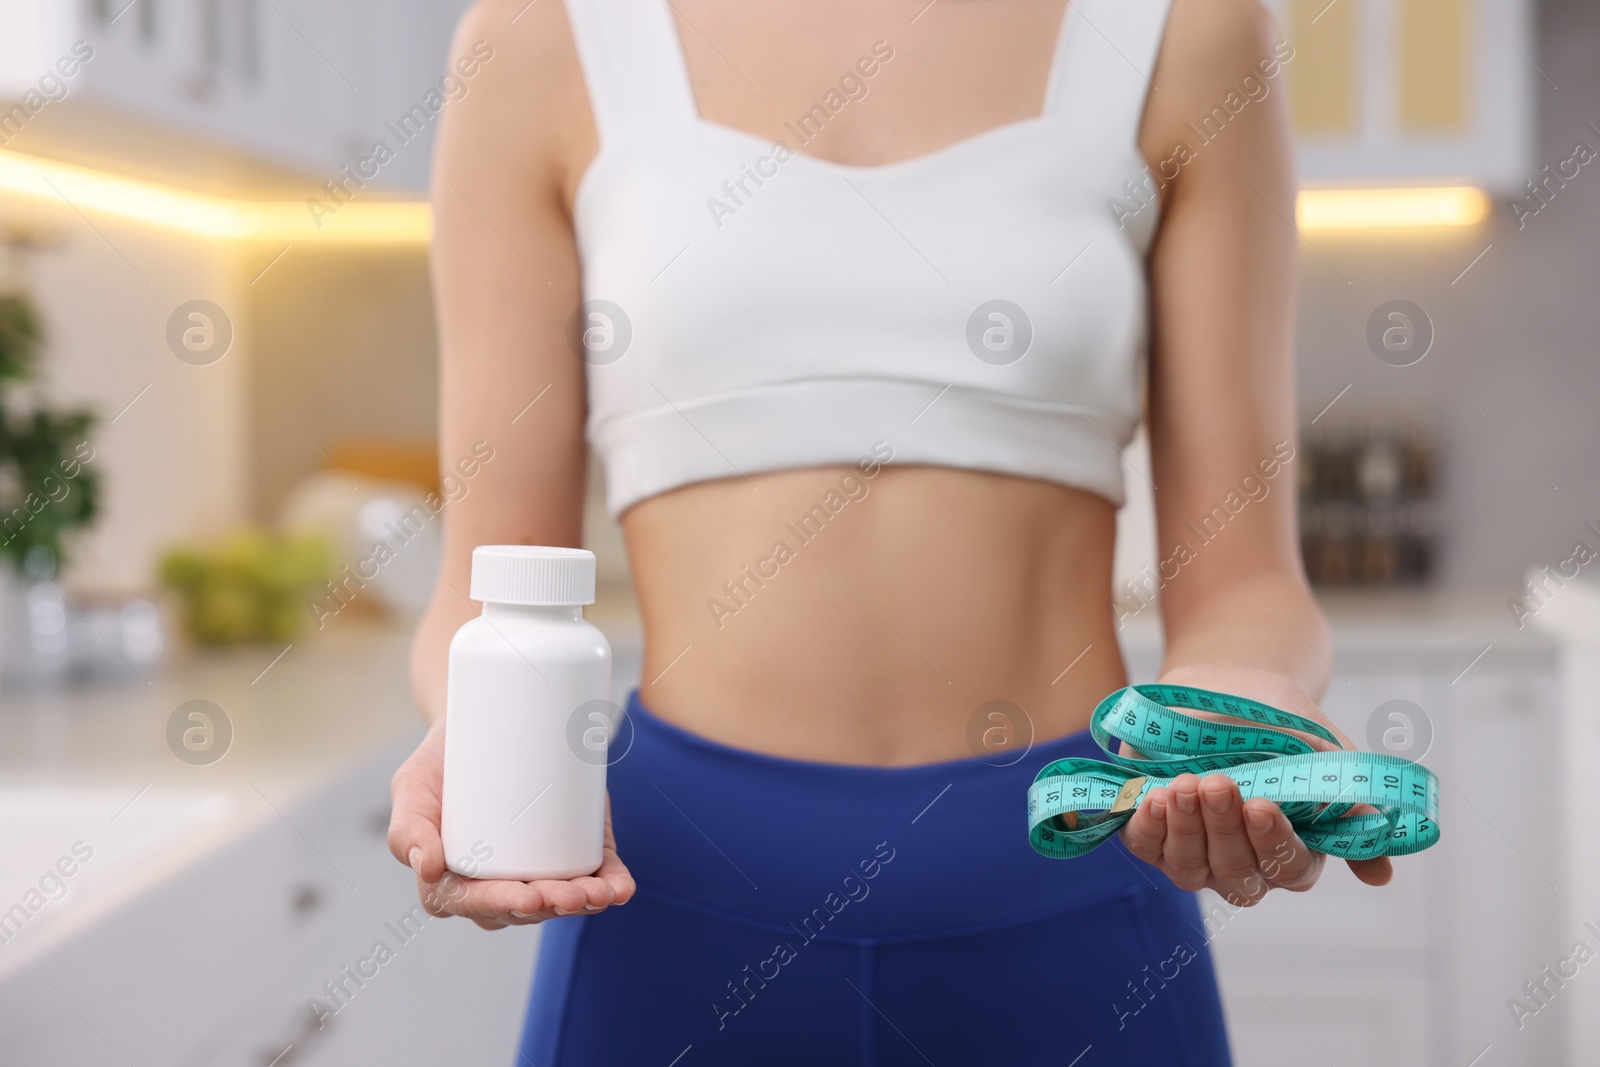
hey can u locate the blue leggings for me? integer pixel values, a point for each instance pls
(803, 913)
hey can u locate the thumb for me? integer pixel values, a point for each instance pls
(414, 837)
(415, 842)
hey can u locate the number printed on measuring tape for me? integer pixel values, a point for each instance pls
(1075, 804)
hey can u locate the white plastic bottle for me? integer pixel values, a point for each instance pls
(524, 776)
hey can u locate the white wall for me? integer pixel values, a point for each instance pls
(1518, 335)
(172, 465)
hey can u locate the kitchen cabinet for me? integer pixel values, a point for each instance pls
(1413, 91)
(1419, 971)
(442, 991)
(1505, 865)
(195, 954)
(216, 967)
(1571, 614)
(306, 85)
(201, 945)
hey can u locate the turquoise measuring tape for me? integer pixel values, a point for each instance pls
(1075, 804)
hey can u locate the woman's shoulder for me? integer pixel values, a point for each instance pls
(1212, 51)
(536, 31)
(1215, 36)
(536, 62)
(528, 104)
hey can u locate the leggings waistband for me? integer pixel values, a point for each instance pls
(870, 852)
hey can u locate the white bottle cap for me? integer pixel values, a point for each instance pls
(532, 575)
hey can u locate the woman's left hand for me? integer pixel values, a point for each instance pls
(1203, 835)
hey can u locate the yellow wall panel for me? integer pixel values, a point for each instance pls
(1432, 64)
(1323, 79)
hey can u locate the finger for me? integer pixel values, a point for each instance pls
(490, 924)
(616, 874)
(598, 894)
(415, 842)
(1183, 853)
(518, 918)
(1373, 872)
(1229, 852)
(1284, 859)
(1147, 830)
(490, 899)
(509, 902)
(501, 902)
(561, 896)
(612, 869)
(432, 902)
(414, 817)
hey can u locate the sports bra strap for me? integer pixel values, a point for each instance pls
(633, 66)
(1104, 64)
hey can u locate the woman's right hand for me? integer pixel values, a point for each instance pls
(415, 840)
(502, 313)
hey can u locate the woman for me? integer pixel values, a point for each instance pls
(867, 335)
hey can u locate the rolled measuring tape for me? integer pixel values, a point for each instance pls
(1075, 804)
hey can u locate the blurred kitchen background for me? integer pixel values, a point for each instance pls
(217, 389)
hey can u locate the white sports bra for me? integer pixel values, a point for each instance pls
(749, 307)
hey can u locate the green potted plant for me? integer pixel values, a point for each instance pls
(47, 486)
(47, 490)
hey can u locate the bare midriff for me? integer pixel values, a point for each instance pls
(900, 605)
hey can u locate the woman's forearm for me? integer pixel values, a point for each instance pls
(1266, 621)
(430, 651)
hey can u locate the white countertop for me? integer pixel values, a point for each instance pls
(93, 764)
(329, 699)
